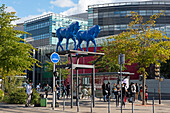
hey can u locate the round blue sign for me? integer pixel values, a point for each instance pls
(54, 58)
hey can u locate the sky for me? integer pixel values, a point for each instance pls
(27, 9)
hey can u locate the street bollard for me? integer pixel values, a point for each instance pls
(132, 104)
(64, 102)
(78, 106)
(91, 104)
(153, 105)
(109, 104)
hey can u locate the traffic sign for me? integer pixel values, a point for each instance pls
(54, 58)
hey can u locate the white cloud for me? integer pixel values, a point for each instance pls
(40, 10)
(82, 5)
(31, 17)
(63, 3)
(10, 9)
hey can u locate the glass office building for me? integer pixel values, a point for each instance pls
(43, 37)
(112, 18)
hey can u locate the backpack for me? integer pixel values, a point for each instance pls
(133, 89)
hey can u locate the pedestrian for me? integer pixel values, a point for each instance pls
(123, 94)
(29, 92)
(133, 90)
(84, 92)
(38, 87)
(141, 91)
(117, 94)
(137, 91)
(58, 91)
(46, 89)
(114, 90)
(129, 93)
(89, 92)
(146, 93)
(104, 91)
(108, 90)
(68, 89)
(63, 89)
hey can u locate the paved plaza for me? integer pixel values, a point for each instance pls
(85, 107)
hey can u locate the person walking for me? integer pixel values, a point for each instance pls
(58, 91)
(68, 89)
(84, 92)
(104, 91)
(63, 89)
(46, 89)
(133, 89)
(146, 93)
(123, 94)
(29, 92)
(129, 93)
(108, 90)
(118, 95)
(38, 87)
(137, 91)
(141, 91)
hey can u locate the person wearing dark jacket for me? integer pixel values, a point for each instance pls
(68, 89)
(116, 91)
(137, 91)
(46, 89)
(104, 91)
(123, 94)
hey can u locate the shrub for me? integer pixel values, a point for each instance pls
(18, 96)
(1, 94)
(35, 97)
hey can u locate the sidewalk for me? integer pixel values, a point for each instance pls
(85, 107)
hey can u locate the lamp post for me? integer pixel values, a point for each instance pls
(121, 60)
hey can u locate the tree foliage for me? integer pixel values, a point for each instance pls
(106, 64)
(15, 54)
(141, 43)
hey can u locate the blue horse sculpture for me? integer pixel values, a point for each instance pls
(67, 32)
(88, 35)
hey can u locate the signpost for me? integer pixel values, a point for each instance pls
(121, 60)
(55, 59)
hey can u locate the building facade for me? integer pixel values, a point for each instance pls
(112, 17)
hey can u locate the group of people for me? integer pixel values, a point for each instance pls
(65, 90)
(131, 93)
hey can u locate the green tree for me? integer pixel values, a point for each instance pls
(141, 44)
(165, 69)
(106, 64)
(15, 54)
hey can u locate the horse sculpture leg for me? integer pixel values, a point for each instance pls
(87, 46)
(67, 43)
(94, 42)
(59, 44)
(74, 42)
(79, 45)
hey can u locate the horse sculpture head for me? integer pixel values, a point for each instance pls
(96, 30)
(75, 26)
